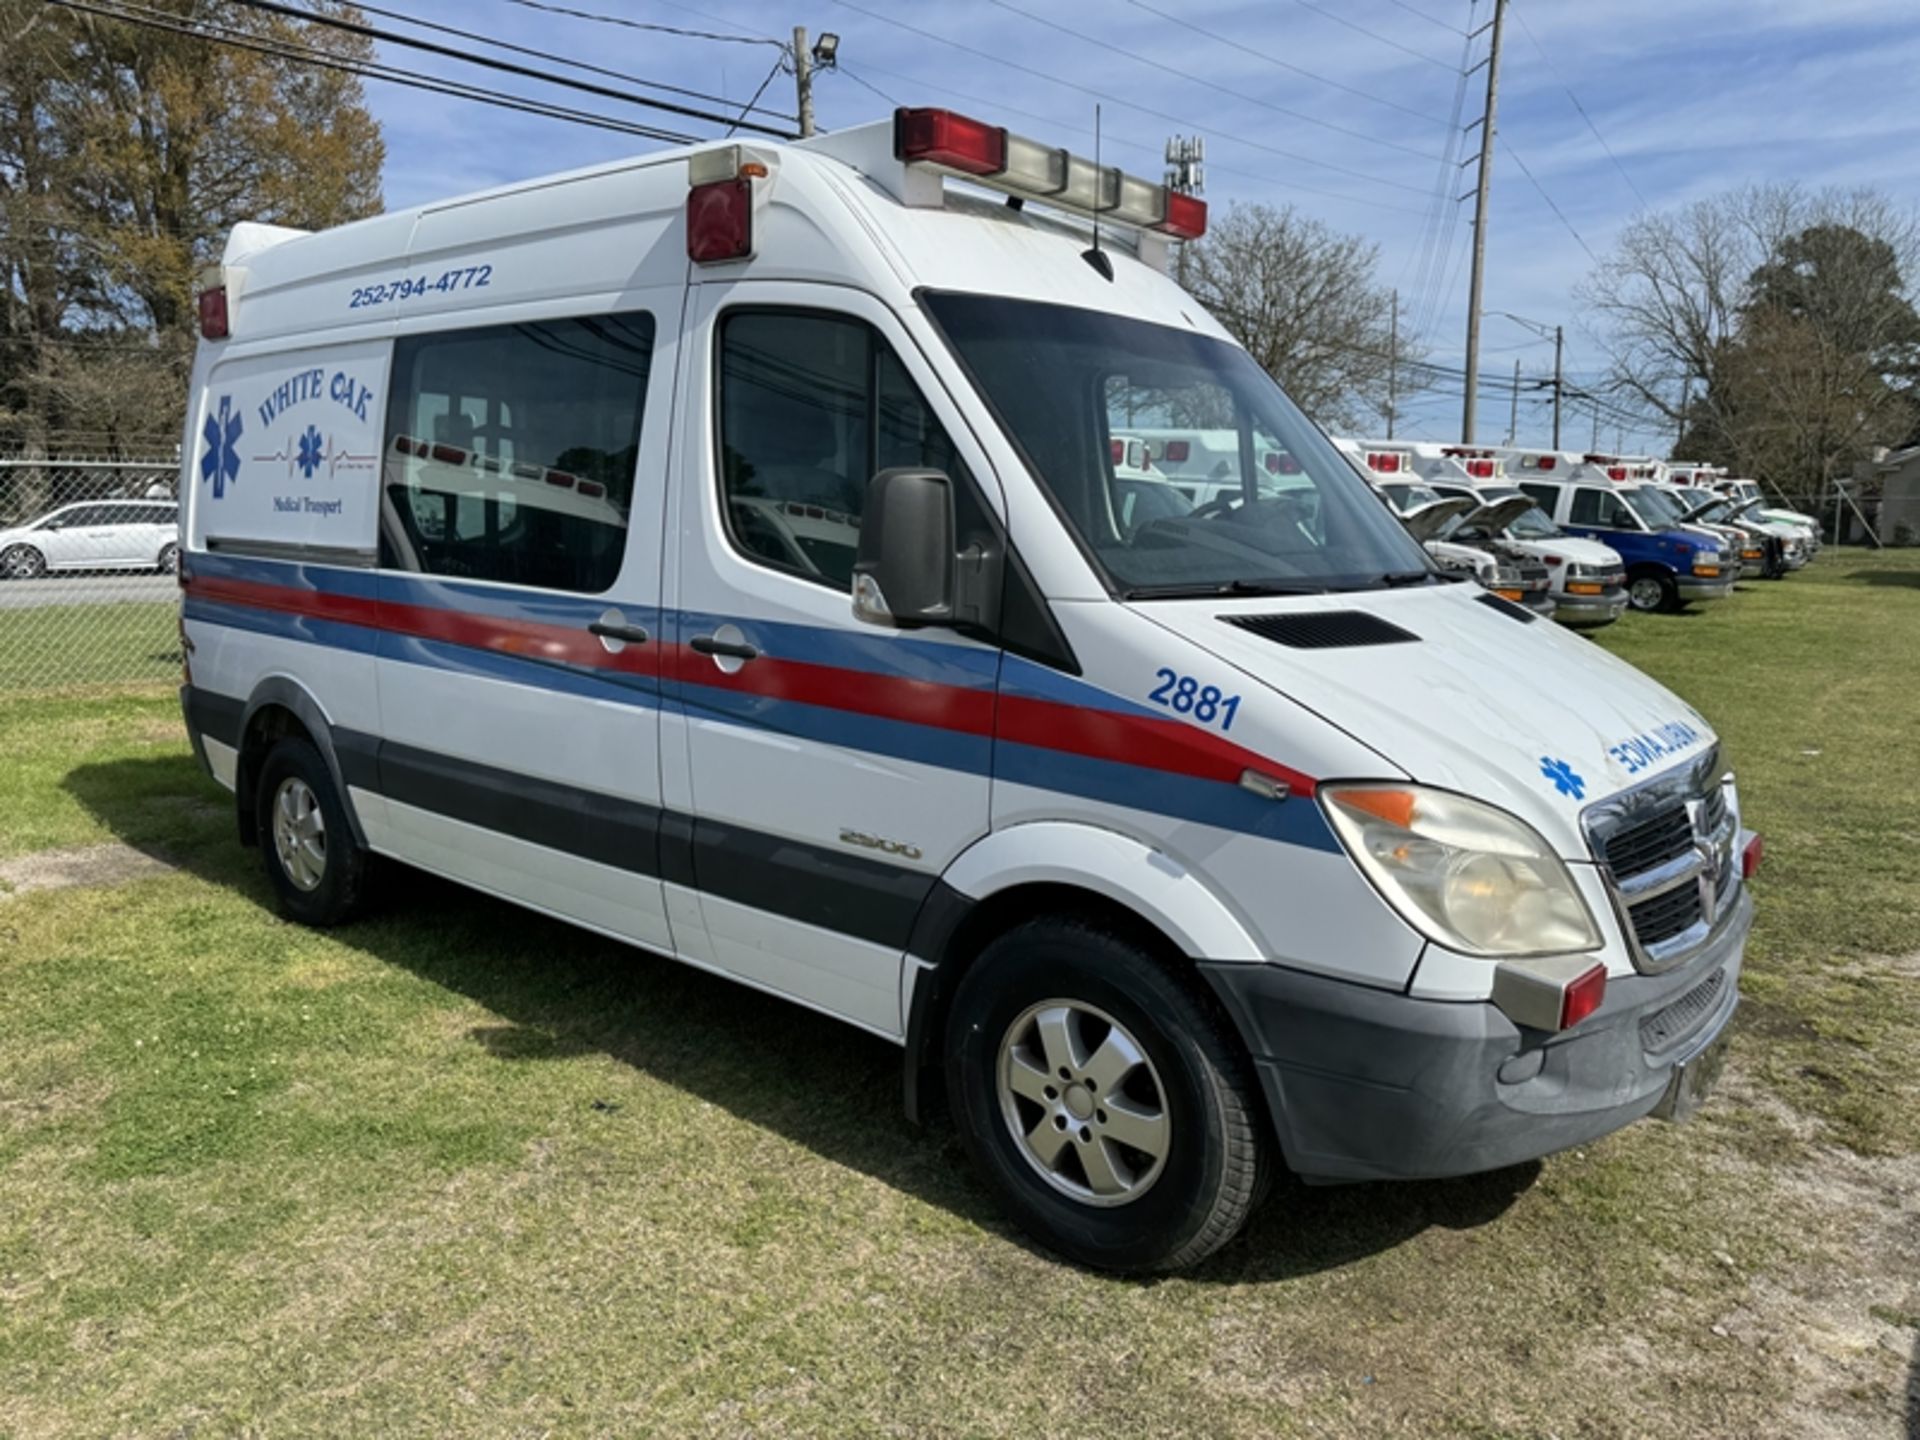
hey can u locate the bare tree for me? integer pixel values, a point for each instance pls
(1304, 300)
(1770, 325)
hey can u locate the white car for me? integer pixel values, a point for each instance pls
(94, 535)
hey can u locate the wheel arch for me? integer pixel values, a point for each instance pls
(282, 706)
(1048, 868)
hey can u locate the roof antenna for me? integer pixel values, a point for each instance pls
(1096, 257)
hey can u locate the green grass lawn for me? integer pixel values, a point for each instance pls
(68, 647)
(458, 1170)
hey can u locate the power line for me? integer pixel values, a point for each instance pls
(369, 70)
(371, 32)
(1156, 148)
(867, 85)
(1514, 155)
(1567, 90)
(571, 63)
(1134, 105)
(622, 20)
(1189, 76)
(1242, 46)
(1430, 19)
(1360, 29)
(1437, 235)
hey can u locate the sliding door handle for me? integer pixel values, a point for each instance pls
(632, 634)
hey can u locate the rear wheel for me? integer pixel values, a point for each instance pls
(1108, 1105)
(317, 870)
(1650, 591)
(22, 562)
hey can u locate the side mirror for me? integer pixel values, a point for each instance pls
(904, 574)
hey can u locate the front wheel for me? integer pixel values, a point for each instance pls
(1650, 592)
(1106, 1103)
(169, 562)
(23, 562)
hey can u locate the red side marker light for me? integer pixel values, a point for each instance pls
(1177, 451)
(720, 221)
(1582, 997)
(1186, 217)
(940, 137)
(213, 313)
(1751, 856)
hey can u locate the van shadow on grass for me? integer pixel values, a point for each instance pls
(560, 992)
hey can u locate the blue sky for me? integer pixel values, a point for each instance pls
(1689, 96)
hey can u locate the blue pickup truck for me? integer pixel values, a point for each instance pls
(1669, 564)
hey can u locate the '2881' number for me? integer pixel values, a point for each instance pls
(1185, 695)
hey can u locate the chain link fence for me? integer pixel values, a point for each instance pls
(87, 589)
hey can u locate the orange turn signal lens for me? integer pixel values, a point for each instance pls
(1396, 807)
(1583, 587)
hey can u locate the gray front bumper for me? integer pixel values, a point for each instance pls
(1590, 609)
(1366, 1084)
(1693, 587)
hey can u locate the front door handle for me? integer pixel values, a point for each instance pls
(713, 645)
(632, 634)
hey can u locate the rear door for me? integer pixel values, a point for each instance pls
(523, 487)
(76, 537)
(833, 768)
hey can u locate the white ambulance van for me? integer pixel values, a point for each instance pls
(718, 550)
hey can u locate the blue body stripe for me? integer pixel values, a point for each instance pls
(1206, 802)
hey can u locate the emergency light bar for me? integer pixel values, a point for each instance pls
(1386, 462)
(994, 156)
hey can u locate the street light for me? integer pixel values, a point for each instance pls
(825, 49)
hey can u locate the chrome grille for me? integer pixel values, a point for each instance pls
(1666, 850)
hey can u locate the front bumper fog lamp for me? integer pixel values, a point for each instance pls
(1464, 874)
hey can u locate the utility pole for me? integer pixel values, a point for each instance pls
(1393, 365)
(1478, 284)
(803, 79)
(1559, 338)
(1596, 430)
(1513, 414)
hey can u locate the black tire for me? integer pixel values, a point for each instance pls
(1216, 1163)
(339, 892)
(169, 561)
(1642, 585)
(22, 562)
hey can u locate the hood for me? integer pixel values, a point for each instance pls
(1430, 519)
(1713, 539)
(1529, 717)
(1576, 550)
(1496, 515)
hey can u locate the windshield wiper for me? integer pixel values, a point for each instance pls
(1394, 579)
(1192, 591)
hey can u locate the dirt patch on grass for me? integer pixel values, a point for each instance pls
(90, 865)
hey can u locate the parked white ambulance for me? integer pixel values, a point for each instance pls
(1173, 847)
(1587, 578)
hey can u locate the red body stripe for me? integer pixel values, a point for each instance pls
(1148, 741)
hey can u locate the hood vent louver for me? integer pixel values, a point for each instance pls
(1323, 629)
(1506, 607)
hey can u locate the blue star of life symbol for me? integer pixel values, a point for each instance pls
(1563, 777)
(221, 463)
(310, 452)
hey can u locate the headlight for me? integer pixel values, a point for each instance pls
(1471, 877)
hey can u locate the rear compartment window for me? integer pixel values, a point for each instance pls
(510, 451)
(812, 405)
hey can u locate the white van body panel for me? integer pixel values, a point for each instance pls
(764, 785)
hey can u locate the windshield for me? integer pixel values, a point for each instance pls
(1653, 507)
(1280, 508)
(1534, 524)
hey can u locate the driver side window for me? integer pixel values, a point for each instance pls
(812, 405)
